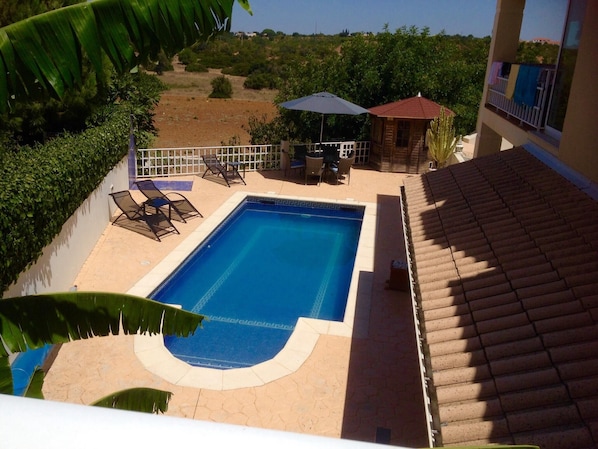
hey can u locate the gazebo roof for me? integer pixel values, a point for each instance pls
(414, 108)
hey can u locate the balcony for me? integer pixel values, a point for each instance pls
(522, 95)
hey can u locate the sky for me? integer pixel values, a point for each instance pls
(542, 18)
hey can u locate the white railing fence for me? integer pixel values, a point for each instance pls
(158, 162)
(533, 116)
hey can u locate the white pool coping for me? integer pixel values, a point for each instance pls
(156, 358)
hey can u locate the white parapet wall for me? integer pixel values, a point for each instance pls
(62, 260)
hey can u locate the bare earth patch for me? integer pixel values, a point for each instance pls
(186, 117)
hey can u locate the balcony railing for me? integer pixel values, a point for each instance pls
(531, 113)
(157, 162)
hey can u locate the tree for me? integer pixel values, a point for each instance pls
(30, 322)
(46, 52)
(441, 138)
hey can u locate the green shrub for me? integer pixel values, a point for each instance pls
(260, 81)
(221, 87)
(42, 186)
(196, 67)
(187, 56)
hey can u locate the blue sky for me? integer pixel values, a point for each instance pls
(542, 18)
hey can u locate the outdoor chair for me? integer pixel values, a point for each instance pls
(288, 164)
(227, 171)
(343, 167)
(314, 166)
(330, 153)
(300, 152)
(135, 217)
(179, 207)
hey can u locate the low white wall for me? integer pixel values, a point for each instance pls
(61, 261)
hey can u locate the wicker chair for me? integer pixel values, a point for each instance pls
(314, 166)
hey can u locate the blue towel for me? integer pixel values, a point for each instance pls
(526, 85)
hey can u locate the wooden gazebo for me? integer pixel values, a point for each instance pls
(398, 135)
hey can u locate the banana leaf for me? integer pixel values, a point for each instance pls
(34, 389)
(30, 322)
(147, 400)
(46, 51)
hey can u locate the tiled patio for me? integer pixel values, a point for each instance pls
(348, 387)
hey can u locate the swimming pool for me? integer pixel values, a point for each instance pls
(156, 358)
(269, 263)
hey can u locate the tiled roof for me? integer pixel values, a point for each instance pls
(504, 252)
(413, 108)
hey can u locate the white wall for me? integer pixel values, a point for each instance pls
(62, 260)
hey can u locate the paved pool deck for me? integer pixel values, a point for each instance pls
(349, 385)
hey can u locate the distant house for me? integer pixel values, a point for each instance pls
(245, 35)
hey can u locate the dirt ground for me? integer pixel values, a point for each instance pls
(186, 117)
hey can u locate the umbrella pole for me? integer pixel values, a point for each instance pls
(321, 129)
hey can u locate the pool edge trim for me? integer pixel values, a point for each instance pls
(157, 359)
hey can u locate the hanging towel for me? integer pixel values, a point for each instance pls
(494, 72)
(512, 81)
(526, 85)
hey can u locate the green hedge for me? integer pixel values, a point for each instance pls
(41, 187)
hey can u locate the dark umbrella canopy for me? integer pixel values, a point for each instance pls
(324, 103)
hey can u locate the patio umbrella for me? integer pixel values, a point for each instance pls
(324, 103)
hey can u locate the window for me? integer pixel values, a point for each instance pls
(566, 66)
(403, 128)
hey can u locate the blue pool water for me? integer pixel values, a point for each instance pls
(263, 268)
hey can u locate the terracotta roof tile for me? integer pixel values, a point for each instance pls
(466, 391)
(555, 310)
(461, 375)
(533, 279)
(457, 360)
(506, 254)
(526, 380)
(579, 368)
(534, 398)
(526, 421)
(452, 346)
(489, 313)
(450, 334)
(448, 323)
(416, 107)
(583, 388)
(466, 433)
(529, 361)
(446, 312)
(563, 322)
(510, 330)
(571, 336)
(513, 348)
(471, 410)
(489, 301)
(576, 436)
(488, 289)
(571, 352)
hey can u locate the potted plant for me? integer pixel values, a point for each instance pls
(441, 138)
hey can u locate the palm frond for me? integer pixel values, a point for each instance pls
(126, 30)
(146, 400)
(29, 322)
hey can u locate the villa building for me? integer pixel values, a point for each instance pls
(503, 253)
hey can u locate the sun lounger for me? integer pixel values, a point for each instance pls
(179, 207)
(135, 217)
(215, 167)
